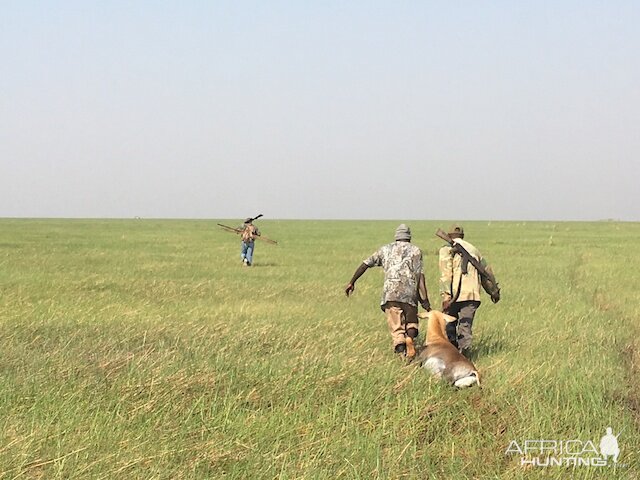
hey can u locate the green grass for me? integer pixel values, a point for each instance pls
(143, 349)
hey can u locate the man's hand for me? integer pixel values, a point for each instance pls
(495, 296)
(349, 289)
(446, 303)
(351, 286)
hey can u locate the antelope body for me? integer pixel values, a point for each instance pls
(441, 358)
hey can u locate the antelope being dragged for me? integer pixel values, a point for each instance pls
(441, 358)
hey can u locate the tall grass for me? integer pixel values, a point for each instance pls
(144, 349)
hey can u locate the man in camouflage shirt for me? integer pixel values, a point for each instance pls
(404, 286)
(248, 233)
(460, 292)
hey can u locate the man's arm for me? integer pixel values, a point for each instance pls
(489, 282)
(358, 273)
(423, 294)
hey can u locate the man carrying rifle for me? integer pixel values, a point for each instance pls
(463, 271)
(248, 232)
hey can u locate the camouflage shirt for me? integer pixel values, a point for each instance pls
(402, 263)
(452, 281)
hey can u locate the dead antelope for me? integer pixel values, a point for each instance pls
(441, 358)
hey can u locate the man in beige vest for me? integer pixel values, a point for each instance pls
(460, 291)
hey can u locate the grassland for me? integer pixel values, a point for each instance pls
(143, 349)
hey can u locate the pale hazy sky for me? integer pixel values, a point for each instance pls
(504, 110)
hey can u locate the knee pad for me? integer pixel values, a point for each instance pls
(412, 332)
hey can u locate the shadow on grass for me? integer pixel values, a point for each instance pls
(485, 347)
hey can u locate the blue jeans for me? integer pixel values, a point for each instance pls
(247, 251)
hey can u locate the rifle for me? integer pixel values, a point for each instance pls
(487, 279)
(238, 231)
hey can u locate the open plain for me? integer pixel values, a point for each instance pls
(144, 349)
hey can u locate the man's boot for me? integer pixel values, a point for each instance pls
(466, 352)
(401, 349)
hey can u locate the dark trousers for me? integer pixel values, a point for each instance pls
(459, 332)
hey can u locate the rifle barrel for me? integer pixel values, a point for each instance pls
(443, 235)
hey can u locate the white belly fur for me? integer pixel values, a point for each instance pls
(435, 365)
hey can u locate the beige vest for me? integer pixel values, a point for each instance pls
(453, 281)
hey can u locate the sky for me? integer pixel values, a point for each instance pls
(421, 110)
